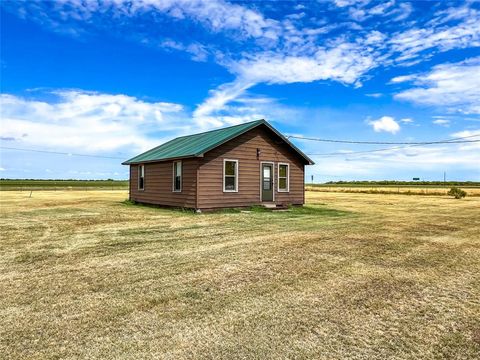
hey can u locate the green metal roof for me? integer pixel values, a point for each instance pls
(198, 144)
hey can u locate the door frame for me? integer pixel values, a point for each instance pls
(273, 179)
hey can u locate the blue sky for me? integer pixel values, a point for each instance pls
(114, 78)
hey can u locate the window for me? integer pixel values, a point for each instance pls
(230, 175)
(141, 177)
(177, 176)
(283, 177)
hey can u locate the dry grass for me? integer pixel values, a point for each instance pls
(357, 276)
(391, 189)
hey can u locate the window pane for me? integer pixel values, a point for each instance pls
(230, 183)
(178, 183)
(266, 172)
(266, 185)
(282, 183)
(283, 171)
(230, 167)
(178, 168)
(141, 176)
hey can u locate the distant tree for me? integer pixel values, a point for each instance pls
(457, 192)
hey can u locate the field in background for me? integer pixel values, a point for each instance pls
(55, 185)
(472, 190)
(86, 275)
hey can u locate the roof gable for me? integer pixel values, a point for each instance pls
(198, 144)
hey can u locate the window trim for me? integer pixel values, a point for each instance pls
(288, 178)
(236, 176)
(140, 167)
(173, 176)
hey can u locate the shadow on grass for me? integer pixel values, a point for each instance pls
(297, 211)
(292, 211)
(169, 209)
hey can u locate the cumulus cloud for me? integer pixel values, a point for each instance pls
(87, 121)
(385, 124)
(454, 86)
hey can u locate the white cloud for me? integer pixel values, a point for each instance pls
(407, 120)
(344, 3)
(465, 133)
(404, 10)
(441, 122)
(345, 63)
(87, 122)
(409, 44)
(401, 162)
(385, 124)
(403, 78)
(220, 97)
(216, 15)
(197, 51)
(455, 86)
(276, 49)
(375, 95)
(243, 107)
(362, 13)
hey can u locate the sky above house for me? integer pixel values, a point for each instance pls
(110, 79)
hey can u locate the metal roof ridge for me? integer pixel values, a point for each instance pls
(223, 128)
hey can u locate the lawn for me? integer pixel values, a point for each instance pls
(359, 276)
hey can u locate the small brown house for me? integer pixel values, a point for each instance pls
(238, 166)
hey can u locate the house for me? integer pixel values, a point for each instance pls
(237, 166)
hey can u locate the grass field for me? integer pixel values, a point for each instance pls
(27, 185)
(471, 190)
(359, 276)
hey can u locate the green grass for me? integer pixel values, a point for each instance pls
(358, 276)
(26, 185)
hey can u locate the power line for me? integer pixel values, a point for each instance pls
(450, 141)
(397, 147)
(60, 153)
(458, 140)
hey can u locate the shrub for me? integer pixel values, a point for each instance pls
(457, 193)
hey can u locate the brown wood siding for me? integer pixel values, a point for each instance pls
(158, 184)
(244, 149)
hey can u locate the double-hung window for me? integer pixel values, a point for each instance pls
(283, 177)
(230, 175)
(177, 176)
(141, 177)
